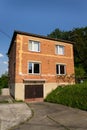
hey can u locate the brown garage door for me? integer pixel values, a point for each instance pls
(33, 91)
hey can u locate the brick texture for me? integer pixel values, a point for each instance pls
(20, 56)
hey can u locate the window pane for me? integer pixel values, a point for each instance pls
(36, 46)
(57, 69)
(56, 49)
(62, 69)
(61, 50)
(36, 68)
(30, 45)
(30, 67)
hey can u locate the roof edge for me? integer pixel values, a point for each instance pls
(34, 35)
(40, 36)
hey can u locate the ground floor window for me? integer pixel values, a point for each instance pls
(34, 68)
(60, 69)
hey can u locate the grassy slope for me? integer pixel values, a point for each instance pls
(72, 95)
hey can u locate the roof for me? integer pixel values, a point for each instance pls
(34, 35)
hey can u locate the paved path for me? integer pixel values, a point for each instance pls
(4, 99)
(49, 116)
(13, 114)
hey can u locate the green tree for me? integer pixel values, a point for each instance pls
(4, 81)
(78, 37)
(56, 34)
(79, 72)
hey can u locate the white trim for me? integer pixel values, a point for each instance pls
(34, 79)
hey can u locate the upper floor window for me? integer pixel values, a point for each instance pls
(60, 49)
(34, 68)
(60, 69)
(34, 46)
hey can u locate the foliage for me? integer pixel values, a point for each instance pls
(4, 101)
(79, 38)
(72, 95)
(4, 81)
(80, 72)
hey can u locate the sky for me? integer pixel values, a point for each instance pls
(38, 17)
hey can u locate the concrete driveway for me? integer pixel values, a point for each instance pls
(47, 116)
(13, 114)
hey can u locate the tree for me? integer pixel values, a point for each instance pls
(4, 81)
(80, 72)
(56, 34)
(79, 38)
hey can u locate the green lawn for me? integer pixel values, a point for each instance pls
(71, 95)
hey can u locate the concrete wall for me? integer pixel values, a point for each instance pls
(19, 91)
(5, 91)
(47, 88)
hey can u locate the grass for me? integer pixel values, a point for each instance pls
(17, 101)
(4, 101)
(71, 95)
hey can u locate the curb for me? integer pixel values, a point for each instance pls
(65, 127)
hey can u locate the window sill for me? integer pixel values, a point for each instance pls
(60, 54)
(34, 51)
(60, 75)
(33, 74)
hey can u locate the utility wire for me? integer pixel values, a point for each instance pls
(5, 34)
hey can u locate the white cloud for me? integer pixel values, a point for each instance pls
(1, 55)
(5, 62)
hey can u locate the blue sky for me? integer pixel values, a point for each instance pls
(39, 17)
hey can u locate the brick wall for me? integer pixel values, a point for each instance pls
(12, 63)
(46, 57)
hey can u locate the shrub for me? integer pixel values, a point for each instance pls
(4, 81)
(71, 95)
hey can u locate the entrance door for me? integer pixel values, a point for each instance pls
(33, 91)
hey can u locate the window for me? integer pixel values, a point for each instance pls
(60, 49)
(60, 69)
(34, 68)
(34, 46)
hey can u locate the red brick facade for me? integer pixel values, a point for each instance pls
(20, 56)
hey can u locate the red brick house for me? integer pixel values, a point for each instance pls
(37, 65)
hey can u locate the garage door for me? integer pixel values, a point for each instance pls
(33, 91)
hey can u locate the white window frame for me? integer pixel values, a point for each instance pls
(33, 67)
(32, 46)
(59, 69)
(58, 49)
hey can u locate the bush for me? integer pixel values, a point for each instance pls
(71, 95)
(4, 81)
